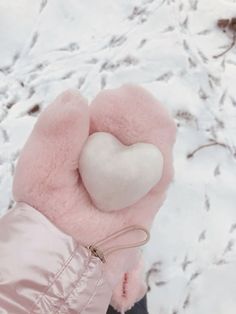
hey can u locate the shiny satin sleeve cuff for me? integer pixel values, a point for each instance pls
(43, 270)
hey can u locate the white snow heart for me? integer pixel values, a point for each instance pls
(115, 175)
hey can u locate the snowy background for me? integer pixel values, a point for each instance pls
(167, 46)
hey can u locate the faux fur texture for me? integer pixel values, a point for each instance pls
(128, 292)
(47, 176)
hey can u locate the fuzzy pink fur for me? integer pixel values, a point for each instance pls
(47, 175)
(130, 289)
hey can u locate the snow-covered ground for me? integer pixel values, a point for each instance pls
(167, 46)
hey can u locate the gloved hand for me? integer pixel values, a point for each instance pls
(47, 174)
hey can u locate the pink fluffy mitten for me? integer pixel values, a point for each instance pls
(96, 169)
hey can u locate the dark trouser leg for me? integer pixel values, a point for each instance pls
(139, 308)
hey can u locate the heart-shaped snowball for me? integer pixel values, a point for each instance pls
(116, 175)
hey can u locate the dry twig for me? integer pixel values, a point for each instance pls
(227, 24)
(190, 155)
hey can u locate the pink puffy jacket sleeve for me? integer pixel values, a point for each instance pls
(43, 270)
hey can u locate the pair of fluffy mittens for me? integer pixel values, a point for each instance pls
(95, 169)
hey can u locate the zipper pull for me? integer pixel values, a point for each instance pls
(97, 253)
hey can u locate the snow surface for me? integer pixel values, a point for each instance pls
(167, 46)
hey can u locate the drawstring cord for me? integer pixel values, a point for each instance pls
(96, 250)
